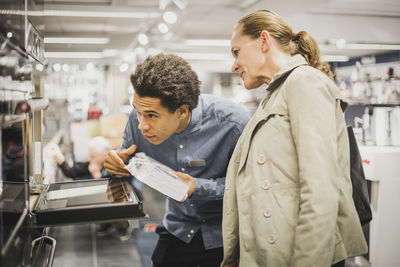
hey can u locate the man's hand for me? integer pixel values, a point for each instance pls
(114, 163)
(56, 153)
(189, 180)
(95, 170)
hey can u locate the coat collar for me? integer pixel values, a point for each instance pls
(294, 62)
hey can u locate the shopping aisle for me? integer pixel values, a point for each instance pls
(78, 245)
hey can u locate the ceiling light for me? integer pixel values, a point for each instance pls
(180, 3)
(99, 14)
(65, 67)
(143, 40)
(109, 52)
(39, 67)
(332, 58)
(373, 46)
(75, 40)
(170, 17)
(205, 42)
(163, 4)
(73, 54)
(124, 67)
(57, 67)
(90, 66)
(162, 27)
(205, 56)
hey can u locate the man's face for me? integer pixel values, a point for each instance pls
(156, 123)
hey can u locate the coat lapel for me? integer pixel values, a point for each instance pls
(260, 117)
(265, 109)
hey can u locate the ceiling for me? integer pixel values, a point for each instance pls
(352, 22)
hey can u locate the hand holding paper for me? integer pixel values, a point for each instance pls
(114, 163)
(160, 177)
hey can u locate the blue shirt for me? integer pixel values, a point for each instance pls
(210, 137)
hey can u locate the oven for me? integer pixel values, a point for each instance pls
(14, 191)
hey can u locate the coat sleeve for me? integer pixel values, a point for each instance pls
(230, 218)
(311, 108)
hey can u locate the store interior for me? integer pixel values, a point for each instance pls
(64, 79)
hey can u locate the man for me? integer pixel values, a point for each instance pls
(192, 134)
(98, 149)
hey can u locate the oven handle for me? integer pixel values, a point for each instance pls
(52, 242)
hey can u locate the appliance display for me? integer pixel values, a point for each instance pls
(382, 169)
(86, 201)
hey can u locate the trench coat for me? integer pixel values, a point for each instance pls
(288, 194)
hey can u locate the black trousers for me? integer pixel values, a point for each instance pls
(173, 252)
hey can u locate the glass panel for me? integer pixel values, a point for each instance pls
(87, 193)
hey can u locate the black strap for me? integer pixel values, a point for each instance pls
(273, 86)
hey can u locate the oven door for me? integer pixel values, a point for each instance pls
(84, 201)
(14, 236)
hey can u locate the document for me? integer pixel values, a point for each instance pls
(158, 176)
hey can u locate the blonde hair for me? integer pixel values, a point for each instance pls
(293, 43)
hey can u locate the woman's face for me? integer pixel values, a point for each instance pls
(249, 59)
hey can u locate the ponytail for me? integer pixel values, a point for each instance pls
(308, 48)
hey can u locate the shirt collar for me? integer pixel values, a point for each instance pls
(195, 120)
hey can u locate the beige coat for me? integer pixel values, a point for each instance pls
(288, 195)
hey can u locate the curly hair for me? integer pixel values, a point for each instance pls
(169, 78)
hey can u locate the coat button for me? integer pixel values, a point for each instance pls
(271, 239)
(266, 185)
(267, 212)
(261, 159)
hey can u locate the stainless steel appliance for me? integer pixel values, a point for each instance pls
(27, 206)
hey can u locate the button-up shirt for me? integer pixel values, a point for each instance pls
(203, 151)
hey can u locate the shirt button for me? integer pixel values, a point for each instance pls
(267, 212)
(180, 146)
(203, 221)
(261, 159)
(183, 169)
(189, 236)
(271, 239)
(266, 185)
(192, 231)
(191, 205)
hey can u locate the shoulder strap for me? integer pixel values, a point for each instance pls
(273, 86)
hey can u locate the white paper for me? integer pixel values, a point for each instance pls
(75, 192)
(158, 176)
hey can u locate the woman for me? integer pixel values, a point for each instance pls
(288, 196)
